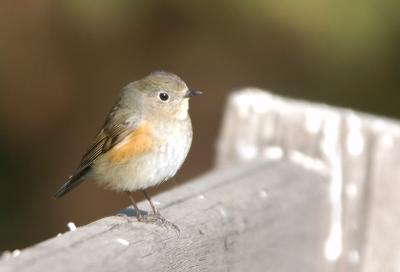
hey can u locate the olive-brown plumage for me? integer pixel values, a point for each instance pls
(144, 140)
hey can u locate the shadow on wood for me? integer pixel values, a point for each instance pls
(250, 217)
(298, 186)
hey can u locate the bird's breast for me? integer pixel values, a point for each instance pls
(172, 152)
(139, 142)
(148, 156)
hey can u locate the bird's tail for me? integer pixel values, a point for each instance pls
(73, 182)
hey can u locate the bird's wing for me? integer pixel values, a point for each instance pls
(107, 138)
(104, 141)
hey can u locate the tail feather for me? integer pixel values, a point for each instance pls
(72, 182)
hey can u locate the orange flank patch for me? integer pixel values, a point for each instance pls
(136, 143)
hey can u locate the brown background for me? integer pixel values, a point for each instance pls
(62, 64)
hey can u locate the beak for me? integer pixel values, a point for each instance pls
(191, 93)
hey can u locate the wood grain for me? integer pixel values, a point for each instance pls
(263, 216)
(359, 153)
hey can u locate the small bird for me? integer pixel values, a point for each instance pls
(144, 140)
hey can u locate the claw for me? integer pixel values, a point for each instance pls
(158, 220)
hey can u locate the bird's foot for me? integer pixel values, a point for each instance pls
(159, 220)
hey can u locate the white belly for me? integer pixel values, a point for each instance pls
(148, 169)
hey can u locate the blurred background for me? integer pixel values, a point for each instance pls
(62, 64)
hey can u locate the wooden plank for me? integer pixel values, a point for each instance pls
(359, 153)
(263, 216)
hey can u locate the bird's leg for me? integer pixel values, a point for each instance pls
(138, 215)
(153, 207)
(157, 218)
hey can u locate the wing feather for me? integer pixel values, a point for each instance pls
(107, 138)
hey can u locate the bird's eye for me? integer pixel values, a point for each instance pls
(163, 96)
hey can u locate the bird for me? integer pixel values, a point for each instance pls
(144, 140)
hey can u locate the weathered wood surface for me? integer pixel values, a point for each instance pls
(299, 186)
(360, 153)
(263, 216)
